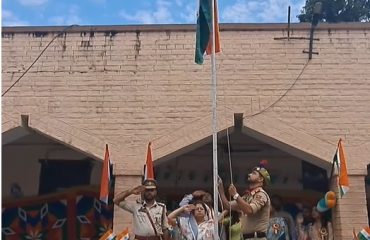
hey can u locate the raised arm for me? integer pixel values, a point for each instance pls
(123, 195)
(248, 208)
(186, 200)
(184, 209)
(226, 204)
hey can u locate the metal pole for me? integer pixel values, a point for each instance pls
(311, 42)
(214, 124)
(288, 23)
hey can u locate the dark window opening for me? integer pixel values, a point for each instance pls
(314, 178)
(57, 175)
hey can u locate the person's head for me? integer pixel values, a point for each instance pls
(150, 191)
(207, 199)
(315, 214)
(319, 217)
(306, 212)
(259, 175)
(200, 211)
(235, 216)
(277, 202)
(299, 218)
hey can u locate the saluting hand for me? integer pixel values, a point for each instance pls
(138, 190)
(188, 208)
(220, 184)
(232, 190)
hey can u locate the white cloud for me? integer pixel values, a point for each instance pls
(71, 17)
(160, 14)
(189, 14)
(10, 19)
(261, 11)
(32, 2)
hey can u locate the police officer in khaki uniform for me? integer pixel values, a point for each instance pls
(255, 204)
(149, 217)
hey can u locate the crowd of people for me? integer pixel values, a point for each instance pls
(251, 215)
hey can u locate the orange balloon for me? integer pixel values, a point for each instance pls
(330, 199)
(330, 195)
(331, 203)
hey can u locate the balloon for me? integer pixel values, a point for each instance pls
(321, 205)
(331, 199)
(327, 202)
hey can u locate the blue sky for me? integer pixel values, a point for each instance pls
(124, 12)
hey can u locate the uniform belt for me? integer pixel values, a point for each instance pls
(254, 235)
(147, 237)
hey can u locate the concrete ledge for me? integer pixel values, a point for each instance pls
(187, 27)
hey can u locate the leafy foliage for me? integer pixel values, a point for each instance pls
(334, 11)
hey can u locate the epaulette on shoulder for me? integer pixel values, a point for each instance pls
(161, 204)
(263, 191)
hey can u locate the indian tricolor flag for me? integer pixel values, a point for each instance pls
(148, 167)
(364, 234)
(204, 30)
(106, 177)
(124, 235)
(108, 235)
(340, 161)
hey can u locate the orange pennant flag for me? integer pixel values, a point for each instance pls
(149, 170)
(124, 235)
(108, 235)
(340, 160)
(105, 177)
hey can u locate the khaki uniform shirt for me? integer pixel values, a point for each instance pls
(259, 220)
(141, 222)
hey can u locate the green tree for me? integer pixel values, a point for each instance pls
(338, 11)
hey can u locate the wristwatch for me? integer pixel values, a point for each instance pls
(236, 196)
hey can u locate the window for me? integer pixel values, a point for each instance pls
(57, 175)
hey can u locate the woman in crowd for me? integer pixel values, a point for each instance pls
(320, 229)
(301, 229)
(204, 227)
(232, 229)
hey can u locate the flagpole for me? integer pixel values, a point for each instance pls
(214, 124)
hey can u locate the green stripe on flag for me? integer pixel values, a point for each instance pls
(363, 235)
(204, 29)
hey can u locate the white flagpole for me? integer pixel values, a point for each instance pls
(214, 124)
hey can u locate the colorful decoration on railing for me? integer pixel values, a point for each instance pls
(364, 234)
(327, 202)
(110, 235)
(74, 214)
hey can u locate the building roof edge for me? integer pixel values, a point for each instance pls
(189, 27)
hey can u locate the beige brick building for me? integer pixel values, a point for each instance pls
(128, 85)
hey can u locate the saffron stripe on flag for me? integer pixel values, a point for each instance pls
(364, 234)
(148, 167)
(105, 177)
(108, 235)
(340, 160)
(124, 235)
(217, 33)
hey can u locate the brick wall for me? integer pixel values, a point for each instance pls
(131, 85)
